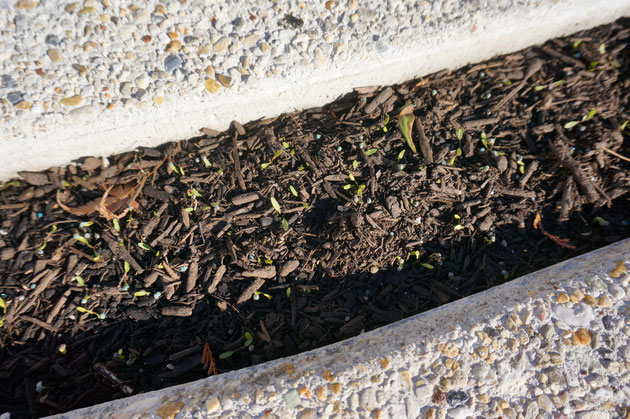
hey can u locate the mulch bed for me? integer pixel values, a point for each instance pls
(294, 232)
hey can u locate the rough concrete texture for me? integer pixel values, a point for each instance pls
(100, 77)
(555, 343)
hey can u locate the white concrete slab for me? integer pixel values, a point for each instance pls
(89, 78)
(554, 343)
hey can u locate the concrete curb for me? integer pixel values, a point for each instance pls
(556, 341)
(90, 79)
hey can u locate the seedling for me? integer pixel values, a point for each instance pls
(293, 191)
(3, 306)
(275, 156)
(9, 184)
(385, 122)
(101, 316)
(405, 124)
(349, 186)
(116, 224)
(585, 118)
(48, 237)
(276, 206)
(174, 168)
(460, 134)
(355, 164)
(458, 222)
(249, 339)
(206, 162)
(257, 295)
(371, 151)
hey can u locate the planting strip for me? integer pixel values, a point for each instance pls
(553, 342)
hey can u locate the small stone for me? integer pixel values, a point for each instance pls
(212, 405)
(563, 298)
(430, 413)
(174, 46)
(483, 398)
(125, 88)
(322, 393)
(224, 80)
(590, 300)
(289, 267)
(15, 97)
(24, 105)
(222, 45)
(212, 86)
(81, 69)
(335, 388)
(307, 414)
(172, 62)
(71, 101)
(125, 33)
(52, 39)
(582, 337)
(143, 82)
(604, 301)
(158, 100)
(264, 47)
(544, 402)
(170, 409)
(292, 398)
(27, 4)
(482, 351)
(203, 50)
(456, 398)
(54, 55)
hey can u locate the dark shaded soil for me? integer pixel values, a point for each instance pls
(362, 235)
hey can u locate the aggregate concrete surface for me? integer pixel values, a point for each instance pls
(552, 344)
(97, 77)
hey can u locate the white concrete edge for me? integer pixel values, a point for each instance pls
(528, 331)
(499, 30)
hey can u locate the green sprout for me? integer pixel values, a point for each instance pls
(9, 184)
(585, 118)
(206, 162)
(101, 316)
(405, 124)
(116, 224)
(275, 156)
(349, 186)
(355, 164)
(371, 151)
(602, 48)
(385, 122)
(293, 191)
(249, 339)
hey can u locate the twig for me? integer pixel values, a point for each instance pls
(425, 146)
(373, 184)
(237, 162)
(614, 153)
(560, 150)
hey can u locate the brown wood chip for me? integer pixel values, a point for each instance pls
(267, 272)
(249, 291)
(177, 311)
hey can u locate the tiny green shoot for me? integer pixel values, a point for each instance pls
(276, 205)
(285, 224)
(293, 191)
(116, 224)
(355, 164)
(371, 151)
(79, 280)
(400, 156)
(405, 125)
(602, 48)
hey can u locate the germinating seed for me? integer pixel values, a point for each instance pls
(84, 300)
(361, 145)
(400, 167)
(32, 286)
(339, 148)
(157, 295)
(318, 136)
(369, 200)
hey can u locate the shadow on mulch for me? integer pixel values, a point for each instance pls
(294, 232)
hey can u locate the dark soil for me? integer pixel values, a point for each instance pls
(362, 235)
